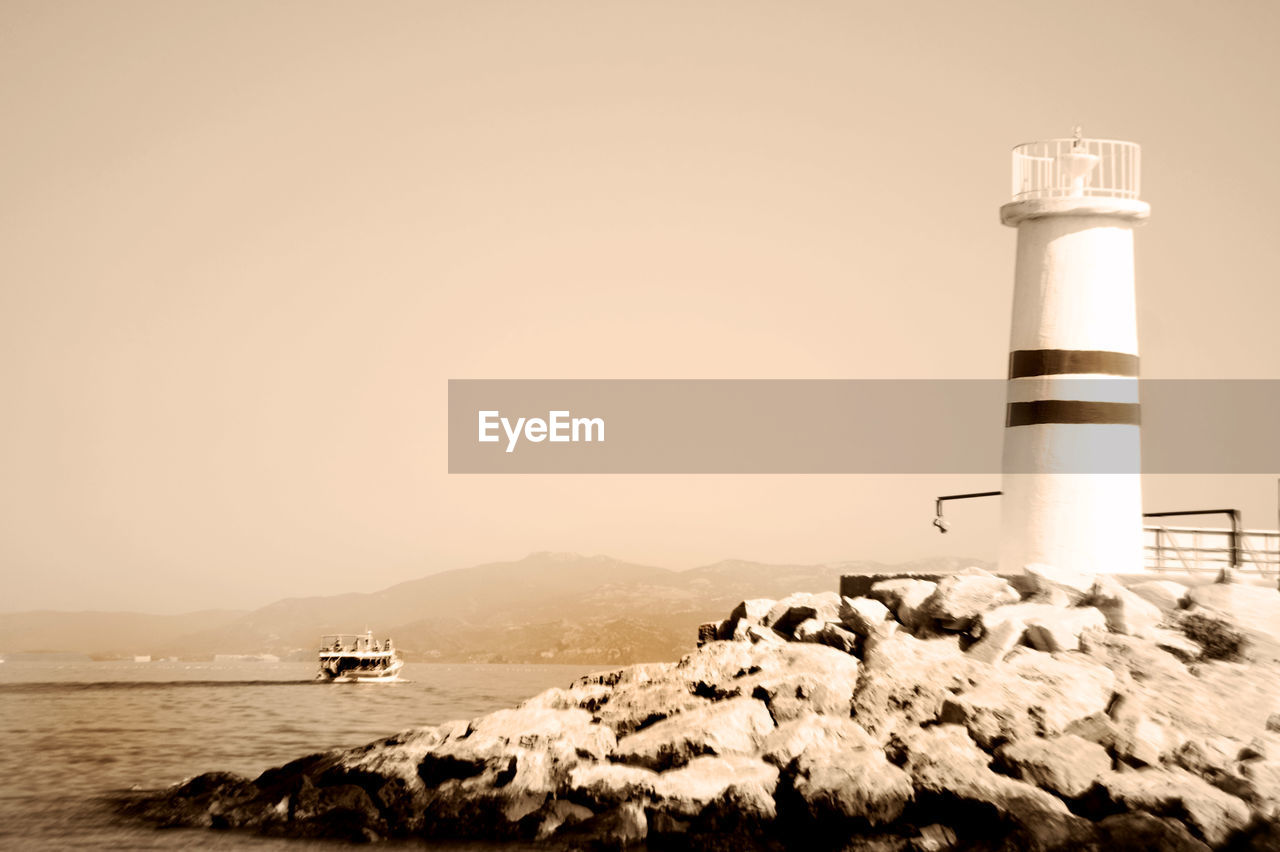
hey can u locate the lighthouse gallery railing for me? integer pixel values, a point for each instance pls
(1052, 168)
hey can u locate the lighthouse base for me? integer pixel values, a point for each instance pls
(1078, 522)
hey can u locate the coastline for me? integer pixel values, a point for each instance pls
(960, 714)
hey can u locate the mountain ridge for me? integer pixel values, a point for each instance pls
(546, 607)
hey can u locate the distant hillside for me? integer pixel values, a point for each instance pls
(547, 607)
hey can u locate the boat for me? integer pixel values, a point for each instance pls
(358, 658)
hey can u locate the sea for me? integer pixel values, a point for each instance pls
(74, 736)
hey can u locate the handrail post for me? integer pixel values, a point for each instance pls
(1235, 538)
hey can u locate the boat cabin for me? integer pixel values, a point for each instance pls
(357, 657)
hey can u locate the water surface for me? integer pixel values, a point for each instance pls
(72, 734)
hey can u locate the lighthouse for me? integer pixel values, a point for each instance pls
(1072, 493)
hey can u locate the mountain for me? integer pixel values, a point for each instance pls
(547, 607)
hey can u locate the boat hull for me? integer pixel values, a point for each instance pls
(387, 675)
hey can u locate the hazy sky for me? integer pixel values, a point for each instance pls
(244, 245)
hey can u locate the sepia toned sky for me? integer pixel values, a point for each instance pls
(244, 245)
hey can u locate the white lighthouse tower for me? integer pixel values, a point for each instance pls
(1072, 491)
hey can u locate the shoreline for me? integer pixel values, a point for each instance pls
(1073, 712)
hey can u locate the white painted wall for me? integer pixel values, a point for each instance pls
(1073, 289)
(1074, 284)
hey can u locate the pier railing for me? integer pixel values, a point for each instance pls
(1209, 549)
(1065, 168)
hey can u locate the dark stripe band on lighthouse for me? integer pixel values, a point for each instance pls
(1024, 364)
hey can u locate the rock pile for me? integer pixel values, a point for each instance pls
(1066, 713)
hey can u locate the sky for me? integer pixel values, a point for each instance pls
(245, 245)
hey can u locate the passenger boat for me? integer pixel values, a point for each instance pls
(358, 658)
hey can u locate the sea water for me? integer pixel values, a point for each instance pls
(74, 735)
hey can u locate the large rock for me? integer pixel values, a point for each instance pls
(791, 677)
(1125, 611)
(1076, 585)
(561, 816)
(1060, 630)
(720, 669)
(764, 635)
(906, 680)
(827, 633)
(580, 697)
(1166, 594)
(608, 784)
(1265, 746)
(1138, 660)
(903, 596)
(709, 632)
(960, 598)
(1208, 699)
(396, 757)
(937, 756)
(802, 679)
(998, 641)
(1019, 614)
(496, 774)
(746, 782)
(1042, 821)
(201, 803)
(1032, 694)
(513, 787)
(851, 782)
(568, 732)
(1253, 610)
(812, 732)
(784, 615)
(505, 768)
(1139, 831)
(1262, 786)
(1173, 642)
(867, 618)
(733, 630)
(1066, 765)
(621, 827)
(1002, 628)
(734, 726)
(1148, 741)
(340, 810)
(388, 770)
(1139, 736)
(754, 610)
(1207, 755)
(633, 706)
(1230, 699)
(1212, 814)
(945, 763)
(638, 673)
(1219, 637)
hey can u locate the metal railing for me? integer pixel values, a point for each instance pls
(1066, 168)
(1210, 549)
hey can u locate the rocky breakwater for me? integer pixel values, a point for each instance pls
(1066, 713)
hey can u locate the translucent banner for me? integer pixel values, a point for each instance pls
(1084, 425)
